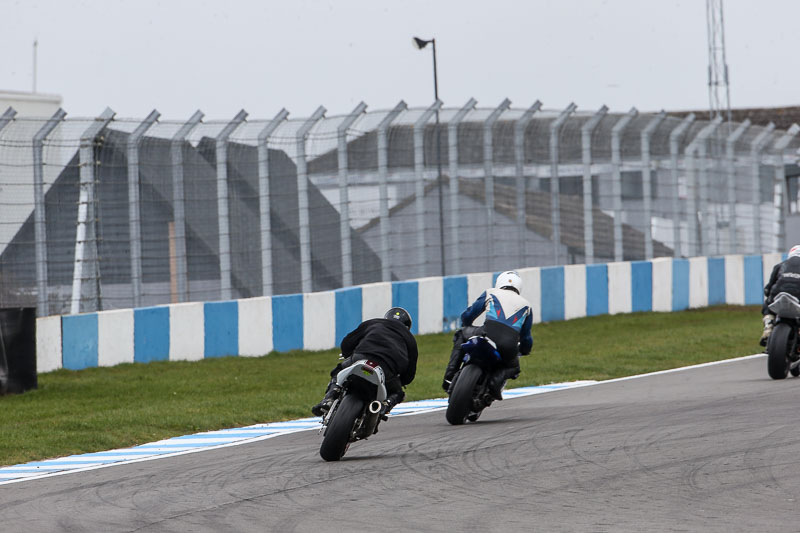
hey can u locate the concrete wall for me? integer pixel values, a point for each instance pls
(318, 321)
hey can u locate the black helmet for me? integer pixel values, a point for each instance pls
(398, 313)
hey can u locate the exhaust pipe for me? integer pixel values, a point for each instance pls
(371, 420)
(375, 407)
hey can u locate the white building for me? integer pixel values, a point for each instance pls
(30, 104)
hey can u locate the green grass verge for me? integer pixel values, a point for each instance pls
(105, 408)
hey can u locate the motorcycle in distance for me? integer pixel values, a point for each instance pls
(782, 346)
(358, 410)
(469, 390)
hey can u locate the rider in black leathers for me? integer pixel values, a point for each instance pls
(387, 341)
(785, 277)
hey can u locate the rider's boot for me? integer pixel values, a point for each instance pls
(769, 322)
(498, 380)
(452, 368)
(455, 361)
(324, 405)
(390, 401)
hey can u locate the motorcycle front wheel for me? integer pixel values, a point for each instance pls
(778, 351)
(340, 428)
(461, 399)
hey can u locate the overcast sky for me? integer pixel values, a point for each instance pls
(221, 56)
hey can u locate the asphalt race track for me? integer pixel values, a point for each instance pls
(712, 448)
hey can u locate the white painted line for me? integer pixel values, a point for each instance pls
(671, 370)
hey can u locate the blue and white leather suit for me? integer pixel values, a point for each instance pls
(508, 320)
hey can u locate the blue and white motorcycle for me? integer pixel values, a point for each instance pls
(469, 390)
(357, 411)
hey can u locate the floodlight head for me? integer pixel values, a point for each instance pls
(419, 44)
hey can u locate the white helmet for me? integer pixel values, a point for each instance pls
(510, 280)
(795, 251)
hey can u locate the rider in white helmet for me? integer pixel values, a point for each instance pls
(508, 324)
(785, 277)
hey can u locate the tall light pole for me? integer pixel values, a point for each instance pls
(420, 44)
(719, 91)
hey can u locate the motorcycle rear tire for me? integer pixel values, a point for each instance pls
(340, 428)
(778, 351)
(461, 399)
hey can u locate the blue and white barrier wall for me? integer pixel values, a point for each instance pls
(318, 321)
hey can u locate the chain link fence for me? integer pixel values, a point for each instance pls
(107, 213)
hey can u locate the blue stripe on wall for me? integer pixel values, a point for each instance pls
(596, 290)
(287, 322)
(405, 294)
(221, 324)
(641, 286)
(455, 301)
(494, 278)
(680, 284)
(753, 280)
(348, 311)
(552, 280)
(150, 334)
(716, 280)
(79, 341)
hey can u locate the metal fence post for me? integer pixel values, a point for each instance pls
(674, 151)
(223, 211)
(383, 188)
(586, 156)
(264, 209)
(344, 201)
(87, 230)
(702, 191)
(730, 155)
(694, 186)
(39, 226)
(756, 146)
(520, 126)
(302, 200)
(488, 177)
(134, 208)
(7, 117)
(419, 182)
(178, 206)
(555, 192)
(780, 182)
(616, 180)
(647, 201)
(452, 157)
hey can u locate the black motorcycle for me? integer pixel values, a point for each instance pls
(782, 346)
(469, 390)
(358, 410)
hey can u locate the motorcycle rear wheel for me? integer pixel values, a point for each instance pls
(778, 351)
(460, 404)
(340, 428)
